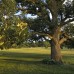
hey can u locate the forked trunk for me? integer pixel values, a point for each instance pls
(55, 47)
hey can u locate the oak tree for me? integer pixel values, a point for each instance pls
(54, 15)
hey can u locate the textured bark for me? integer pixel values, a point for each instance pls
(62, 40)
(56, 51)
(55, 46)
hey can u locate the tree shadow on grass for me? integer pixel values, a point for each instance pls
(27, 58)
(22, 61)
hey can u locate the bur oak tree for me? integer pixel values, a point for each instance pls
(56, 14)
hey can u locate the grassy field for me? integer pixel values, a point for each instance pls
(28, 61)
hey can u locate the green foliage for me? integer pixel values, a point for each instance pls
(46, 44)
(12, 34)
(9, 5)
(69, 44)
(12, 30)
(69, 29)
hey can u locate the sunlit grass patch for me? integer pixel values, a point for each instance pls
(36, 50)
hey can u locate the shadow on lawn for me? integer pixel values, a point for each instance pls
(28, 58)
(22, 61)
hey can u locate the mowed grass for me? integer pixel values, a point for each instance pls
(28, 61)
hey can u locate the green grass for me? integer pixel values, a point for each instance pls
(28, 61)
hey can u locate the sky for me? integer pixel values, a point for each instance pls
(30, 16)
(18, 13)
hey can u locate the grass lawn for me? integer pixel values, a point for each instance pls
(28, 61)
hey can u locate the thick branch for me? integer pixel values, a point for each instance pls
(62, 40)
(43, 34)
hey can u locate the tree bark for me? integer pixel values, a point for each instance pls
(55, 47)
(56, 51)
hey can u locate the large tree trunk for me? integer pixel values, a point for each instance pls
(55, 47)
(56, 51)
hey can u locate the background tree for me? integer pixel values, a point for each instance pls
(12, 29)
